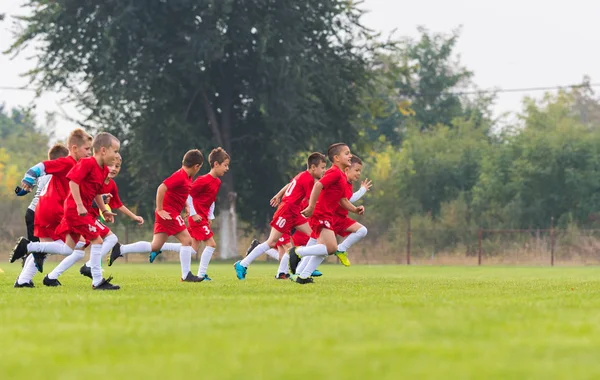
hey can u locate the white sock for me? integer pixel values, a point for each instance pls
(303, 263)
(273, 253)
(66, 263)
(259, 250)
(29, 270)
(96, 264)
(311, 241)
(138, 247)
(173, 247)
(313, 264)
(284, 263)
(352, 239)
(108, 243)
(204, 260)
(79, 246)
(313, 250)
(56, 247)
(185, 256)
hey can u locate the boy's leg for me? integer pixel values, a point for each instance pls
(284, 261)
(207, 253)
(326, 244)
(357, 232)
(65, 264)
(29, 269)
(158, 240)
(271, 241)
(185, 257)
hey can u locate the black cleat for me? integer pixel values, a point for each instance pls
(38, 260)
(114, 254)
(25, 285)
(50, 282)
(23, 261)
(300, 280)
(282, 276)
(106, 285)
(294, 260)
(85, 271)
(253, 245)
(192, 278)
(20, 250)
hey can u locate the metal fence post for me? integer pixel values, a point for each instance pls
(408, 241)
(480, 237)
(552, 237)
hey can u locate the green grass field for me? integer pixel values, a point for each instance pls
(377, 322)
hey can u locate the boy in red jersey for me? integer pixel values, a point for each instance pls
(288, 214)
(201, 202)
(86, 179)
(171, 198)
(49, 209)
(327, 194)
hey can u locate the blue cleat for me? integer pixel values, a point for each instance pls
(316, 273)
(206, 278)
(240, 270)
(154, 255)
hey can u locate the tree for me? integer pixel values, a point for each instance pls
(262, 78)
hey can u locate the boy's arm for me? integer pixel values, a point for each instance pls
(190, 203)
(131, 215)
(314, 195)
(364, 187)
(345, 203)
(211, 211)
(160, 197)
(277, 198)
(107, 215)
(30, 178)
(81, 210)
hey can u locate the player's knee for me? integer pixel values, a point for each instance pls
(362, 231)
(211, 243)
(272, 243)
(78, 254)
(66, 250)
(186, 242)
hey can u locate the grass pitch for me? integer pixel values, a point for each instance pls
(378, 322)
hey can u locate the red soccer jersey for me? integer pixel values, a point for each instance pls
(178, 188)
(53, 198)
(115, 201)
(204, 193)
(349, 191)
(90, 177)
(299, 191)
(334, 189)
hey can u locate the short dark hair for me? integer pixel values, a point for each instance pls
(315, 159)
(334, 150)
(58, 150)
(217, 155)
(192, 157)
(103, 140)
(355, 160)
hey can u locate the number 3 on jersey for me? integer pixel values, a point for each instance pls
(206, 230)
(280, 222)
(179, 219)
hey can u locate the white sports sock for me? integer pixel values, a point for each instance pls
(108, 243)
(79, 246)
(273, 253)
(284, 263)
(313, 250)
(303, 264)
(29, 270)
(313, 264)
(173, 247)
(138, 247)
(56, 247)
(311, 241)
(185, 256)
(259, 250)
(204, 260)
(66, 263)
(96, 264)
(352, 239)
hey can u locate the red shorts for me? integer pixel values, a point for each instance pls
(284, 240)
(341, 224)
(300, 238)
(84, 226)
(45, 232)
(318, 223)
(45, 223)
(285, 219)
(199, 230)
(170, 227)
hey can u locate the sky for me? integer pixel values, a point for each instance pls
(507, 44)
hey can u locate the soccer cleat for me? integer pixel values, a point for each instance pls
(20, 250)
(23, 261)
(106, 285)
(253, 245)
(191, 278)
(115, 254)
(206, 278)
(25, 285)
(50, 282)
(153, 256)
(343, 258)
(282, 276)
(316, 273)
(293, 277)
(294, 260)
(303, 281)
(38, 260)
(240, 270)
(85, 271)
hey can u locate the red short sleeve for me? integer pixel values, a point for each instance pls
(175, 180)
(115, 200)
(60, 165)
(79, 171)
(331, 178)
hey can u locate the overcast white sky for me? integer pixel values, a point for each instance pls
(508, 44)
